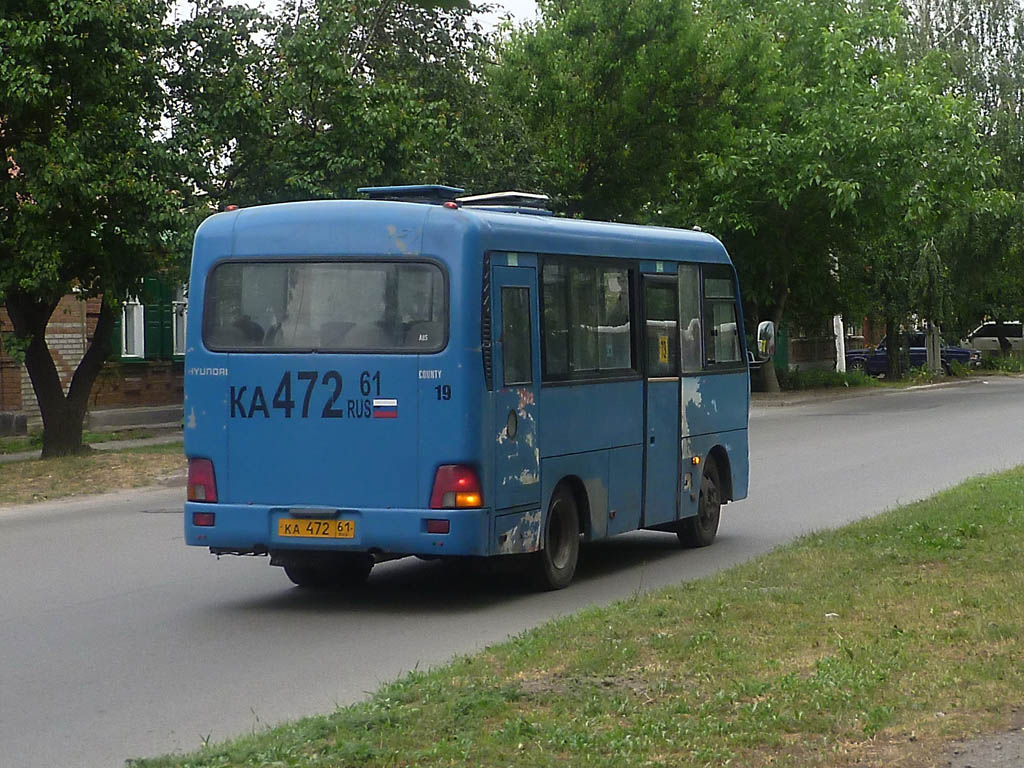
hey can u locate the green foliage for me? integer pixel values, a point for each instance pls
(612, 99)
(958, 369)
(922, 375)
(1010, 364)
(14, 347)
(802, 135)
(798, 379)
(984, 56)
(87, 193)
(91, 195)
(323, 98)
(808, 653)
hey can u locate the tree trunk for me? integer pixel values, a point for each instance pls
(769, 379)
(62, 414)
(894, 347)
(933, 348)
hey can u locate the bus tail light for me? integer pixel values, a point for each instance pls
(202, 485)
(456, 486)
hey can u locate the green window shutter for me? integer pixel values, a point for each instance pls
(153, 297)
(117, 348)
(167, 324)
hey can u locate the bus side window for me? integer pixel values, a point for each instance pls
(721, 329)
(517, 367)
(585, 319)
(662, 327)
(689, 319)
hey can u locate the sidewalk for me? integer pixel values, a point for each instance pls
(112, 445)
(802, 397)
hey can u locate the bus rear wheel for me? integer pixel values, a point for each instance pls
(555, 564)
(701, 529)
(345, 571)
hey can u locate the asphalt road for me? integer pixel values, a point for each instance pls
(116, 640)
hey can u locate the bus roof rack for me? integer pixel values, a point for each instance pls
(435, 194)
(507, 200)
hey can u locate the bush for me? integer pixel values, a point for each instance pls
(822, 379)
(1011, 364)
(922, 375)
(956, 368)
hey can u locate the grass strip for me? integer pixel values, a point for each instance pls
(875, 644)
(24, 482)
(34, 442)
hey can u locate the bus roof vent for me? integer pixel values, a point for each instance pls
(511, 202)
(435, 194)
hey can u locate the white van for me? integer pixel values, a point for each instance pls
(986, 336)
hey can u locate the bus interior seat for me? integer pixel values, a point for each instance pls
(371, 336)
(247, 329)
(332, 334)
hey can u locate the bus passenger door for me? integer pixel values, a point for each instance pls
(514, 327)
(661, 446)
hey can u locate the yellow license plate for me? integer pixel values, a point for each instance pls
(313, 528)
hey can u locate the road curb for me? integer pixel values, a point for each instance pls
(765, 400)
(70, 505)
(110, 445)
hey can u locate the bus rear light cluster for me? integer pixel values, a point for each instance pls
(202, 485)
(456, 486)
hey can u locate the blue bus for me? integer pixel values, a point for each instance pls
(421, 374)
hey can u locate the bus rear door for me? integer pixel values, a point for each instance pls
(516, 382)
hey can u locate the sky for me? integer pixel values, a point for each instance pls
(520, 10)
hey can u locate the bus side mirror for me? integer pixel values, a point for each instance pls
(766, 339)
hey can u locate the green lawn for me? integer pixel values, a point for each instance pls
(876, 644)
(34, 442)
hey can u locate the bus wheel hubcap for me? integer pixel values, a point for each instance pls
(559, 538)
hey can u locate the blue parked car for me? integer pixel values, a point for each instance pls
(875, 360)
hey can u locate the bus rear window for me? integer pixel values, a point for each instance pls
(341, 306)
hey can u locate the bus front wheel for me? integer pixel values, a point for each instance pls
(555, 564)
(701, 529)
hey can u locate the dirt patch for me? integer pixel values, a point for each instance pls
(30, 481)
(996, 750)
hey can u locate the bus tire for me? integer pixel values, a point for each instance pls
(347, 571)
(701, 529)
(350, 571)
(555, 564)
(306, 576)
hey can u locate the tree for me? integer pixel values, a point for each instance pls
(611, 98)
(87, 190)
(983, 42)
(323, 98)
(791, 131)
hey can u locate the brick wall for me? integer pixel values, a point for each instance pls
(10, 371)
(118, 385)
(123, 385)
(65, 336)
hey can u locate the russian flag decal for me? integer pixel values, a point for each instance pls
(384, 408)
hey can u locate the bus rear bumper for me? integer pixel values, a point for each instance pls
(250, 528)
